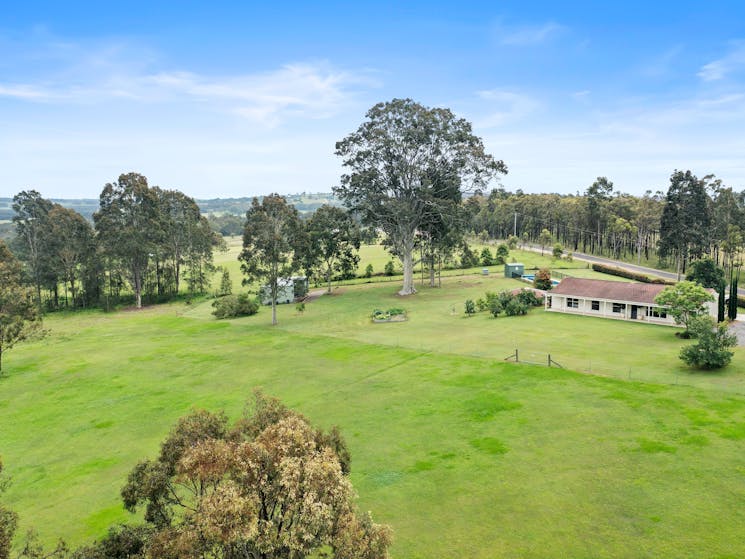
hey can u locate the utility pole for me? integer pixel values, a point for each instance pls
(514, 227)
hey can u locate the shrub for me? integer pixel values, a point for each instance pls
(470, 307)
(226, 286)
(628, 274)
(712, 349)
(300, 307)
(232, 306)
(512, 241)
(515, 307)
(542, 279)
(389, 269)
(486, 257)
(481, 304)
(467, 257)
(503, 252)
(369, 271)
(529, 298)
(558, 251)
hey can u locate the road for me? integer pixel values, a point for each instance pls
(625, 265)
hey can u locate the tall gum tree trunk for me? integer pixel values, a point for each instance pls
(408, 262)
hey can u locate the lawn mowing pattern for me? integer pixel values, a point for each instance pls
(463, 456)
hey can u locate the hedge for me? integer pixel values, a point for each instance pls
(628, 274)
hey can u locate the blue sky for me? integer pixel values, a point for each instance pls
(227, 99)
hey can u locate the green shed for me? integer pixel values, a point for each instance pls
(514, 270)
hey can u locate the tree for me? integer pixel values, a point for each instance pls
(8, 520)
(486, 257)
(270, 486)
(128, 226)
(557, 251)
(270, 236)
(711, 351)
(32, 235)
(332, 242)
(408, 165)
(19, 316)
(706, 273)
(686, 300)
(597, 196)
(542, 279)
(685, 224)
(73, 245)
(545, 239)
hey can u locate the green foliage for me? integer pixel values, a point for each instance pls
(512, 242)
(628, 274)
(390, 314)
(712, 349)
(300, 307)
(19, 316)
(468, 259)
(8, 520)
(406, 166)
(545, 239)
(542, 279)
(226, 284)
(369, 271)
(470, 307)
(271, 240)
(502, 254)
(233, 306)
(389, 269)
(515, 307)
(486, 257)
(529, 298)
(706, 273)
(685, 300)
(557, 251)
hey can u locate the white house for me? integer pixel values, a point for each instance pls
(613, 299)
(288, 290)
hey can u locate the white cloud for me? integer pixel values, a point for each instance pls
(530, 34)
(719, 69)
(502, 106)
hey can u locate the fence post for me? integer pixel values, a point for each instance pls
(549, 359)
(517, 359)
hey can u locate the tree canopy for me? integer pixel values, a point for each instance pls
(407, 166)
(686, 301)
(270, 486)
(270, 244)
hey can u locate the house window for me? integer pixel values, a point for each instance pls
(572, 303)
(595, 305)
(657, 312)
(619, 307)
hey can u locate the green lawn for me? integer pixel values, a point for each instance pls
(463, 454)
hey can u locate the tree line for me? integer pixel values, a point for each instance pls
(150, 238)
(696, 217)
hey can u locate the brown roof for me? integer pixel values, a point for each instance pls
(611, 290)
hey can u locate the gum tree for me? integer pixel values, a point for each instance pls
(407, 166)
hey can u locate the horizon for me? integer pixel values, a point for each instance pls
(235, 101)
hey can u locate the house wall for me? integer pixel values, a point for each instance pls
(605, 310)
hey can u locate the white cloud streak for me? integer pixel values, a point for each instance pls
(529, 35)
(721, 68)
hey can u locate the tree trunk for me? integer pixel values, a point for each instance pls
(408, 262)
(138, 288)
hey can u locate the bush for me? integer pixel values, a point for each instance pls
(542, 279)
(467, 257)
(486, 257)
(503, 252)
(369, 271)
(515, 307)
(628, 274)
(529, 298)
(557, 251)
(712, 349)
(389, 269)
(494, 304)
(232, 306)
(470, 307)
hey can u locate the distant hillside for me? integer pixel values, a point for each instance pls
(304, 203)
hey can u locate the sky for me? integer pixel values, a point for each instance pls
(230, 99)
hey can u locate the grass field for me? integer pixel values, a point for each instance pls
(463, 454)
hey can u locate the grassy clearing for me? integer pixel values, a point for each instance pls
(465, 455)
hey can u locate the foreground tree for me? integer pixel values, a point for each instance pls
(270, 238)
(686, 301)
(19, 316)
(271, 486)
(712, 350)
(8, 521)
(73, 246)
(408, 165)
(128, 227)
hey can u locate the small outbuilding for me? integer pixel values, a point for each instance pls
(288, 290)
(514, 270)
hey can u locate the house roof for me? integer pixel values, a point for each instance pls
(611, 290)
